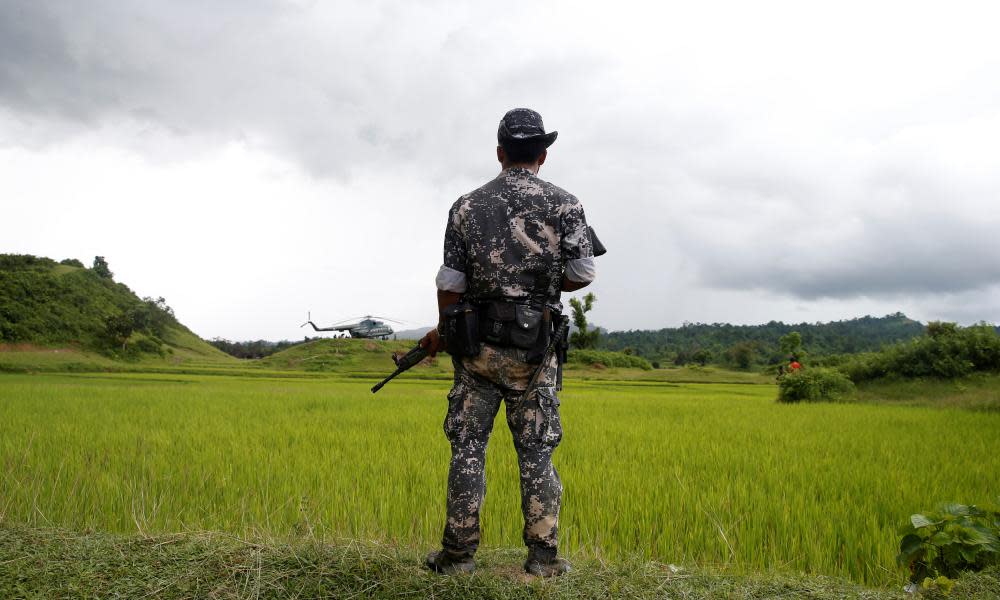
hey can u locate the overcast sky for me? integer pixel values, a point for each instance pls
(254, 160)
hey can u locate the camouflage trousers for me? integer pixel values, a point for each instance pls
(481, 383)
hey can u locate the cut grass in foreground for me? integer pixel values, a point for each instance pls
(52, 563)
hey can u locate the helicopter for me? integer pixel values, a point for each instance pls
(368, 326)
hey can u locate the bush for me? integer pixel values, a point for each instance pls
(814, 385)
(14, 262)
(136, 346)
(609, 359)
(939, 545)
(946, 352)
(145, 344)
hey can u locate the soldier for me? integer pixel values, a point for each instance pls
(510, 248)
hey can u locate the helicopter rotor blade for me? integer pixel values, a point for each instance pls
(355, 319)
(385, 319)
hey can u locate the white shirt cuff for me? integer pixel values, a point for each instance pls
(450, 280)
(581, 270)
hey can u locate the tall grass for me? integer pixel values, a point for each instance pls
(717, 475)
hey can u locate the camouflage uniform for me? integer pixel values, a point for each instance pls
(512, 239)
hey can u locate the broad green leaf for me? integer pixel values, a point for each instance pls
(941, 538)
(975, 535)
(909, 547)
(952, 555)
(919, 521)
(970, 553)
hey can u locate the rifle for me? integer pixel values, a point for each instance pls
(403, 363)
(554, 342)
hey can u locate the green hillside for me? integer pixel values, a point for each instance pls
(45, 305)
(354, 356)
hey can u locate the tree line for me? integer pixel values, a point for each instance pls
(253, 348)
(746, 346)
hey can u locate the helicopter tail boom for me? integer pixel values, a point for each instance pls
(341, 328)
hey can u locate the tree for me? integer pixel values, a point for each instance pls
(157, 315)
(583, 337)
(101, 268)
(119, 328)
(701, 356)
(742, 354)
(941, 329)
(71, 262)
(791, 344)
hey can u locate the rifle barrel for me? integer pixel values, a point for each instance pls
(379, 385)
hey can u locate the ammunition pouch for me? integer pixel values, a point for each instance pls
(460, 329)
(466, 327)
(514, 325)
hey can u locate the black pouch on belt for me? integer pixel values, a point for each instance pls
(541, 342)
(497, 320)
(515, 326)
(461, 330)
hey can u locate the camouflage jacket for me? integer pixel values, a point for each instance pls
(514, 239)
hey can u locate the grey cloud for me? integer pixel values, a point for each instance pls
(357, 88)
(924, 243)
(232, 71)
(40, 74)
(966, 307)
(348, 85)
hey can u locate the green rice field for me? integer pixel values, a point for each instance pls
(715, 475)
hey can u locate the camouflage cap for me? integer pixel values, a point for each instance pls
(523, 125)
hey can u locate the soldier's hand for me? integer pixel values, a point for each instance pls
(433, 342)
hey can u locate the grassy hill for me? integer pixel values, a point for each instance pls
(54, 313)
(357, 357)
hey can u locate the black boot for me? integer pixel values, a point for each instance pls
(446, 563)
(545, 563)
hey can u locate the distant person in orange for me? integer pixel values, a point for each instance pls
(794, 366)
